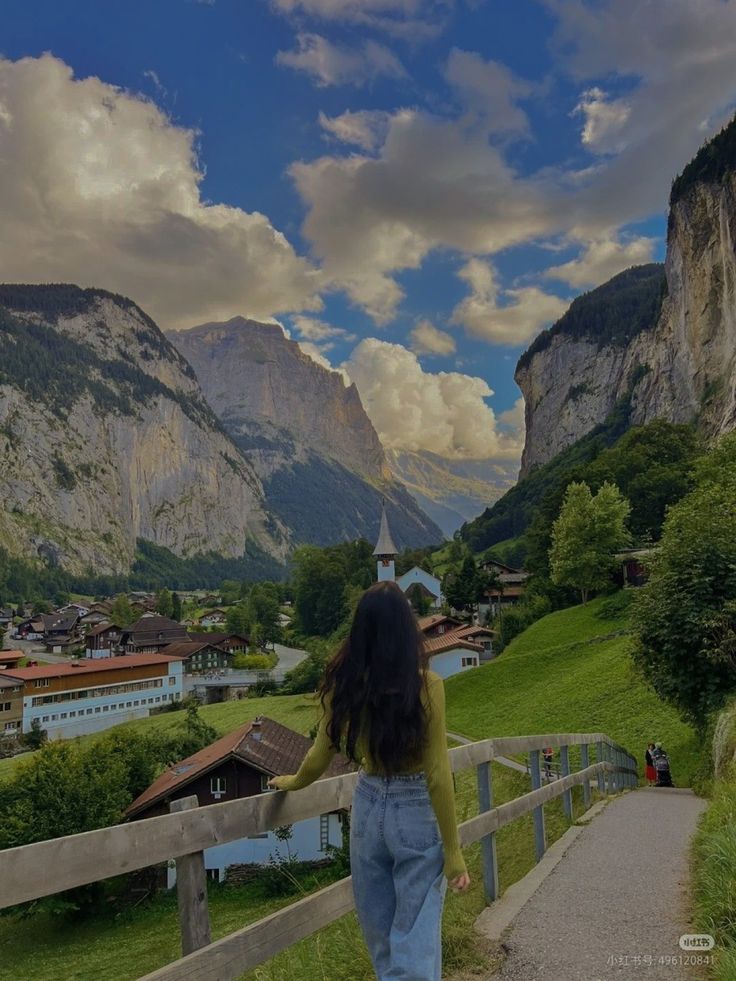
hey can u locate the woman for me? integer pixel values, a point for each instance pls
(651, 773)
(387, 711)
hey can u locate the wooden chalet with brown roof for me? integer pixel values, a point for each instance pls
(151, 633)
(437, 624)
(200, 656)
(11, 659)
(61, 633)
(231, 643)
(11, 708)
(240, 764)
(102, 640)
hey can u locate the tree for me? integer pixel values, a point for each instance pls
(36, 736)
(319, 590)
(176, 610)
(122, 613)
(461, 588)
(264, 609)
(164, 603)
(238, 619)
(685, 616)
(589, 530)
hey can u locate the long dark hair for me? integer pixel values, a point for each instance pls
(374, 682)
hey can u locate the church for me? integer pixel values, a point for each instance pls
(450, 650)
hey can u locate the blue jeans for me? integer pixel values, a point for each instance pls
(397, 858)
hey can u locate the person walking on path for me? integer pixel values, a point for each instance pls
(650, 772)
(549, 755)
(387, 711)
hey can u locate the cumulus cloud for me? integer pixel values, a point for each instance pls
(428, 339)
(435, 182)
(511, 316)
(100, 188)
(365, 128)
(490, 89)
(602, 259)
(414, 410)
(334, 64)
(319, 332)
(414, 19)
(604, 120)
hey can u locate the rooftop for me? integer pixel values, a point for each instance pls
(263, 744)
(385, 544)
(450, 642)
(126, 662)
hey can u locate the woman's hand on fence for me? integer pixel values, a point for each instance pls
(460, 883)
(275, 783)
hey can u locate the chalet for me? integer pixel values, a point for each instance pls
(31, 628)
(10, 659)
(476, 634)
(61, 633)
(438, 624)
(11, 707)
(416, 583)
(213, 618)
(79, 608)
(199, 656)
(240, 765)
(450, 654)
(231, 643)
(102, 640)
(151, 633)
(512, 585)
(79, 697)
(6, 617)
(94, 618)
(633, 568)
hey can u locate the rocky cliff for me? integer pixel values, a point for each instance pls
(672, 353)
(322, 465)
(106, 438)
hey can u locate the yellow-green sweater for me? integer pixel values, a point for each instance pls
(434, 763)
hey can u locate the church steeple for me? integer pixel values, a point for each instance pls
(385, 550)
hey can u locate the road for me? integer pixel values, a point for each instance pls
(616, 905)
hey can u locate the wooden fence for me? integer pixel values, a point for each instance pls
(32, 871)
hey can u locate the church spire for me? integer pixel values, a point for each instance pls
(385, 550)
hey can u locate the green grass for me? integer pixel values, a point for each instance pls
(299, 712)
(560, 676)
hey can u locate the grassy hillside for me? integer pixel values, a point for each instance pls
(570, 672)
(299, 712)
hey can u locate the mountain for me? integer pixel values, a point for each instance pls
(665, 340)
(106, 439)
(305, 432)
(451, 491)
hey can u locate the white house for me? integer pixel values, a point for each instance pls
(427, 584)
(450, 654)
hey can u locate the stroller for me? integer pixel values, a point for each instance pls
(662, 769)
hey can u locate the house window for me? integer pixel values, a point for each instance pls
(89, 711)
(469, 662)
(10, 726)
(5, 706)
(45, 718)
(324, 832)
(218, 786)
(41, 683)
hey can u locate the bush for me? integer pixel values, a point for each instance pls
(714, 855)
(515, 620)
(252, 662)
(616, 606)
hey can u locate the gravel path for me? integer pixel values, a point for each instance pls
(616, 903)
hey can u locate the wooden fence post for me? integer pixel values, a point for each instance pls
(565, 772)
(488, 843)
(600, 757)
(539, 842)
(584, 764)
(191, 892)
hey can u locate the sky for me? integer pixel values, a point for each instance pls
(412, 188)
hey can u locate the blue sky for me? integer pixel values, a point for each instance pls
(414, 188)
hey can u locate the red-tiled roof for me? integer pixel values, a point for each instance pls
(7, 656)
(127, 661)
(450, 642)
(263, 744)
(426, 623)
(474, 631)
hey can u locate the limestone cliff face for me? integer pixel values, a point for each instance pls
(105, 438)
(323, 467)
(678, 364)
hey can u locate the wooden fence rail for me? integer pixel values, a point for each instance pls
(42, 869)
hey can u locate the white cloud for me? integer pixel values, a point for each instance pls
(414, 410)
(434, 183)
(490, 89)
(604, 120)
(365, 128)
(318, 331)
(428, 339)
(411, 19)
(513, 419)
(603, 258)
(315, 352)
(521, 315)
(334, 64)
(99, 187)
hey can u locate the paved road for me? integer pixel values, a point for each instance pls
(619, 892)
